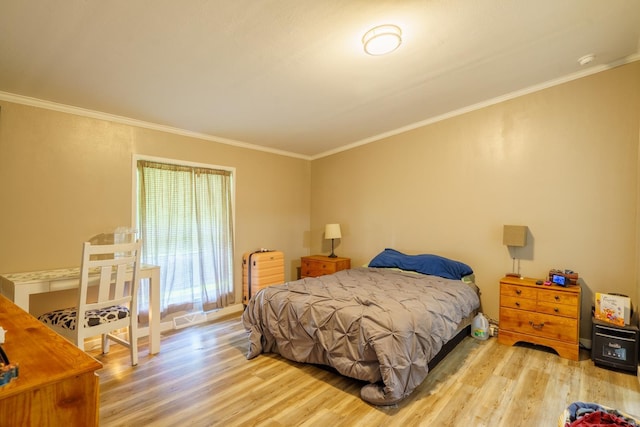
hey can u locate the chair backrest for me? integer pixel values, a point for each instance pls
(112, 273)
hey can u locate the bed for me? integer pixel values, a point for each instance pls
(382, 324)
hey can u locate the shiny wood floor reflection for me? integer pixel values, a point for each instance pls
(202, 378)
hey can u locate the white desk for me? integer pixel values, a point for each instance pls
(19, 286)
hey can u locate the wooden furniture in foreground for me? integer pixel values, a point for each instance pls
(57, 384)
(19, 286)
(319, 265)
(539, 314)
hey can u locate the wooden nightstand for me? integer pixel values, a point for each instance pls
(539, 314)
(319, 265)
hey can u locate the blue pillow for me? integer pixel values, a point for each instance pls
(426, 264)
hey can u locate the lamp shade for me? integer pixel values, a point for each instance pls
(332, 231)
(514, 235)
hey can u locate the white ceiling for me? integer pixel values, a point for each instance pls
(291, 75)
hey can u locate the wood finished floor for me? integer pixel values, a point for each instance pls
(202, 378)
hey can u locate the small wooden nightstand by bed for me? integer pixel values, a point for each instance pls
(539, 314)
(319, 265)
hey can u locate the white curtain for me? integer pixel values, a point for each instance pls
(185, 220)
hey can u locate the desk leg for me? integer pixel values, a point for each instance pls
(21, 297)
(154, 311)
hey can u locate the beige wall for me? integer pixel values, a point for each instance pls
(65, 178)
(563, 161)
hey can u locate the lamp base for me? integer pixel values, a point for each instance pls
(514, 275)
(332, 254)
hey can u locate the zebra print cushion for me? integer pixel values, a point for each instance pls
(66, 318)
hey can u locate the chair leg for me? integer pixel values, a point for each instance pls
(133, 344)
(105, 343)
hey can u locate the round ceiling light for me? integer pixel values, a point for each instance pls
(382, 39)
(587, 59)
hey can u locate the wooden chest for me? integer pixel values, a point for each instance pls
(539, 314)
(259, 270)
(319, 265)
(57, 384)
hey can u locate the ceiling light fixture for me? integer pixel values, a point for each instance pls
(382, 39)
(587, 59)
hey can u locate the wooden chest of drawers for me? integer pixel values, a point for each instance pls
(538, 314)
(57, 384)
(319, 265)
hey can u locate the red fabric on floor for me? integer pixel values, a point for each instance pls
(598, 419)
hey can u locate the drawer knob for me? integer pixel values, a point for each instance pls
(557, 298)
(517, 304)
(536, 325)
(518, 291)
(556, 309)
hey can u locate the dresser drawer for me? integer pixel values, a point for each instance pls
(558, 297)
(517, 302)
(319, 265)
(539, 324)
(518, 291)
(557, 309)
(316, 268)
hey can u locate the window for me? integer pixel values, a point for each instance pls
(185, 219)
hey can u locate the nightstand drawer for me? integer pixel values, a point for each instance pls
(518, 303)
(557, 309)
(539, 325)
(558, 297)
(320, 265)
(314, 269)
(518, 291)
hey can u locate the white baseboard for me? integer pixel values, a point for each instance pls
(223, 312)
(211, 316)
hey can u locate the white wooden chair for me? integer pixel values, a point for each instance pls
(106, 303)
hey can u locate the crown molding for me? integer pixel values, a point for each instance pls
(49, 105)
(34, 102)
(531, 89)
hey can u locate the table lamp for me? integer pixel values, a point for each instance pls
(332, 231)
(514, 236)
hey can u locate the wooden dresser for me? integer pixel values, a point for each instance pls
(539, 314)
(319, 265)
(57, 383)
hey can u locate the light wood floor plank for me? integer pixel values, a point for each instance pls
(201, 377)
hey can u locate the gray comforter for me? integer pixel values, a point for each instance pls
(378, 325)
